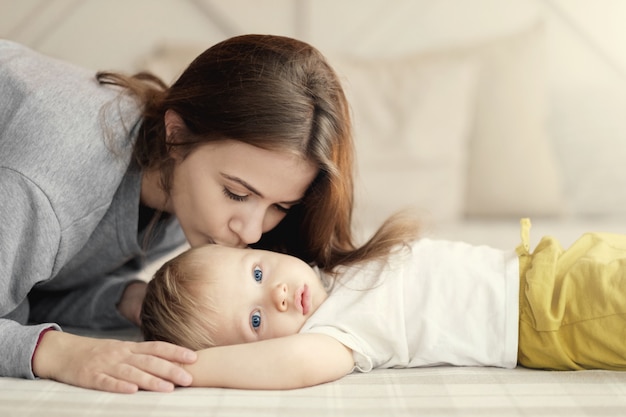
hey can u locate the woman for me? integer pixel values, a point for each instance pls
(250, 146)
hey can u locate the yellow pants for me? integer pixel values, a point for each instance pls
(573, 303)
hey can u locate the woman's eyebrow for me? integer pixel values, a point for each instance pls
(254, 190)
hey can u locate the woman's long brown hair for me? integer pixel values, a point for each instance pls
(276, 93)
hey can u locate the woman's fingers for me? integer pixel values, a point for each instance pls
(167, 351)
(130, 378)
(103, 382)
(152, 371)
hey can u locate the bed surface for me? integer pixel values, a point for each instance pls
(437, 391)
(441, 391)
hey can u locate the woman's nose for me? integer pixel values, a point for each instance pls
(279, 297)
(248, 228)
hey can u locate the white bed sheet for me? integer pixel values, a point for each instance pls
(441, 391)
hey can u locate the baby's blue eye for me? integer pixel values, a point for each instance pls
(258, 274)
(255, 320)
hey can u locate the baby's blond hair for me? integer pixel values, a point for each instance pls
(174, 310)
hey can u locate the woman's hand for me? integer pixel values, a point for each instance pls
(112, 365)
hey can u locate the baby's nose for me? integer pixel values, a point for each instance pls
(280, 297)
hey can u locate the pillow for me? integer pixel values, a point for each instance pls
(411, 119)
(589, 128)
(512, 169)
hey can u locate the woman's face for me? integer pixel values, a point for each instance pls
(230, 193)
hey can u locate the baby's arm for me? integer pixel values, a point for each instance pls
(295, 361)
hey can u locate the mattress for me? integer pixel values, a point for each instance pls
(440, 391)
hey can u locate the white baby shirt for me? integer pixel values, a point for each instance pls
(434, 303)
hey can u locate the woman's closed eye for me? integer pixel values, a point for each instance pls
(244, 197)
(234, 196)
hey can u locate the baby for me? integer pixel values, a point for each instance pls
(265, 320)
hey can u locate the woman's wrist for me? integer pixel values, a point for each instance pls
(42, 358)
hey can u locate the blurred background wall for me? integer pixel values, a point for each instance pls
(583, 35)
(585, 45)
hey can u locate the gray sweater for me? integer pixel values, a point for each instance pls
(69, 203)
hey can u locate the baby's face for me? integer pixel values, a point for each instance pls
(259, 294)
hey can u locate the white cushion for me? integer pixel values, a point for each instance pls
(512, 167)
(411, 121)
(589, 129)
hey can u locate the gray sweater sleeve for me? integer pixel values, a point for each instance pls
(17, 346)
(65, 147)
(29, 227)
(93, 306)
(29, 245)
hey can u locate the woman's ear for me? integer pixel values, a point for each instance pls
(173, 124)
